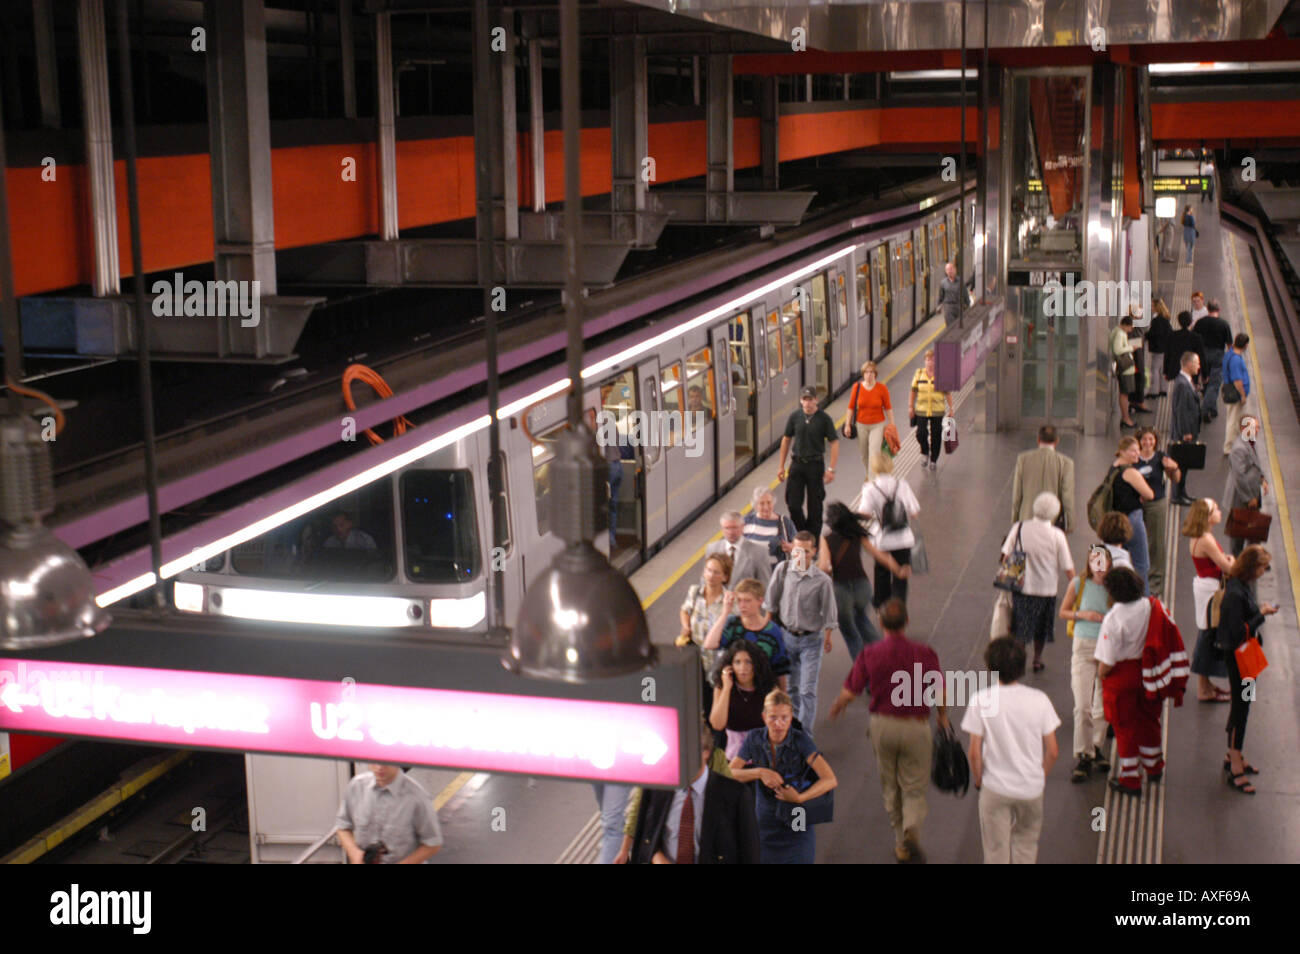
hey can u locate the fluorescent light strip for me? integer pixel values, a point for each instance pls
(277, 606)
(305, 506)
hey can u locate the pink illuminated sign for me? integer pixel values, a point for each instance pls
(605, 741)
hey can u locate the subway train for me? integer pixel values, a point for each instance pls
(412, 550)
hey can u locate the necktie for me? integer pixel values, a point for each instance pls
(731, 552)
(686, 831)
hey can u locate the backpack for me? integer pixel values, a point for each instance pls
(893, 515)
(1102, 500)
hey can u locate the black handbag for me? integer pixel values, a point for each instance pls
(1188, 455)
(951, 770)
(851, 425)
(816, 812)
(1229, 393)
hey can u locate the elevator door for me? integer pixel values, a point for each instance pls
(1049, 365)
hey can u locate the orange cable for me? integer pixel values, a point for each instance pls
(59, 419)
(359, 372)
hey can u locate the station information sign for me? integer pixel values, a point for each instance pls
(488, 731)
(1179, 184)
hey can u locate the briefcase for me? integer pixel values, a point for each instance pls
(1247, 524)
(1188, 455)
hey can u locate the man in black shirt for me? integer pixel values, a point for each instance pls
(1216, 336)
(1179, 343)
(807, 430)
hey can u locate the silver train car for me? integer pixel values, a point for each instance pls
(413, 550)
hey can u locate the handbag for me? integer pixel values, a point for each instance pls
(1229, 393)
(1251, 660)
(1002, 612)
(1188, 455)
(1011, 574)
(920, 561)
(951, 770)
(1124, 363)
(816, 812)
(1245, 523)
(851, 425)
(949, 432)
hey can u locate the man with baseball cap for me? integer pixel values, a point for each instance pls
(807, 431)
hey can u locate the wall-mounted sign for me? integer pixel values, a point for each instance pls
(493, 732)
(1019, 277)
(1179, 184)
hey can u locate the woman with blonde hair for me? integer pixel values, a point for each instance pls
(926, 407)
(1085, 606)
(704, 604)
(1211, 564)
(869, 404)
(778, 756)
(1130, 490)
(893, 505)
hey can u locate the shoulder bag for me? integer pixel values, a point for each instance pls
(1251, 660)
(1229, 393)
(1011, 574)
(851, 425)
(816, 812)
(1078, 602)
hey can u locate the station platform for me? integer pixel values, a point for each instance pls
(966, 511)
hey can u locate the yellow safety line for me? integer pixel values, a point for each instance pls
(98, 806)
(1279, 489)
(699, 554)
(454, 786)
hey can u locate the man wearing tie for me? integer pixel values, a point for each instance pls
(1186, 421)
(709, 822)
(749, 559)
(1246, 485)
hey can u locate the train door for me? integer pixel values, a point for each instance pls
(617, 425)
(744, 390)
(883, 305)
(785, 376)
(687, 437)
(900, 311)
(822, 350)
(862, 282)
(761, 381)
(938, 260)
(922, 296)
(726, 406)
(653, 475)
(844, 332)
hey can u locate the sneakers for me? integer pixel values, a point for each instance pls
(1082, 769)
(1099, 760)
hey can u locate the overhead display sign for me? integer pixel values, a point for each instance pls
(492, 732)
(1179, 184)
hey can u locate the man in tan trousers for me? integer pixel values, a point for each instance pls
(1044, 470)
(900, 722)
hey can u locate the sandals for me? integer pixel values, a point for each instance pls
(1218, 697)
(1039, 665)
(1246, 788)
(1246, 769)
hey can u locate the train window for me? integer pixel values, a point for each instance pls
(844, 299)
(543, 454)
(909, 269)
(791, 332)
(651, 386)
(670, 387)
(722, 374)
(350, 539)
(920, 255)
(439, 530)
(741, 374)
(502, 538)
(773, 344)
(700, 389)
(864, 289)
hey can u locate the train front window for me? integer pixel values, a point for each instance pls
(350, 539)
(439, 526)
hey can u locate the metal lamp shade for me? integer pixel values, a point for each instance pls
(581, 620)
(46, 593)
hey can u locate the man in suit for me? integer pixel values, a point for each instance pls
(1179, 343)
(1246, 485)
(749, 559)
(1216, 336)
(1186, 409)
(1044, 470)
(718, 809)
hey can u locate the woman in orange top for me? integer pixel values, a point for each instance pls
(869, 399)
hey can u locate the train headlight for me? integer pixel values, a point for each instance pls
(188, 597)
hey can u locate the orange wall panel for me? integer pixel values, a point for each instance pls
(1266, 119)
(49, 229)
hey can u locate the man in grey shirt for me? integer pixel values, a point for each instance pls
(950, 292)
(802, 598)
(386, 806)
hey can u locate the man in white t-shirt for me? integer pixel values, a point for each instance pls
(1012, 748)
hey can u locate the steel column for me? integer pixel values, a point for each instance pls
(47, 65)
(536, 124)
(719, 177)
(629, 122)
(347, 60)
(385, 112)
(500, 100)
(10, 325)
(239, 133)
(98, 126)
(769, 131)
(571, 118)
(1100, 248)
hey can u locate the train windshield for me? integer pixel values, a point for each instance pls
(349, 539)
(439, 527)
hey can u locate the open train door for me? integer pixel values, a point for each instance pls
(654, 463)
(292, 805)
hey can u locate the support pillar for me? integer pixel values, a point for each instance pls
(1103, 206)
(769, 131)
(239, 133)
(719, 177)
(501, 102)
(536, 124)
(629, 122)
(47, 67)
(385, 126)
(347, 60)
(98, 128)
